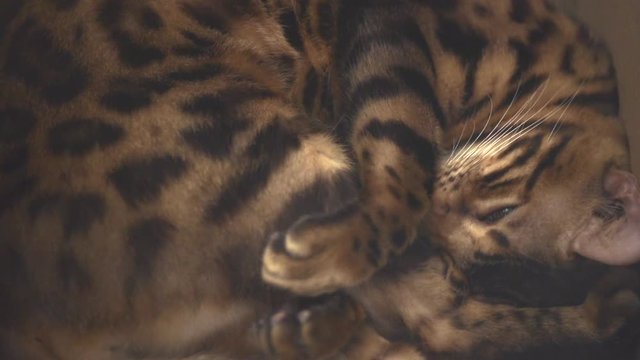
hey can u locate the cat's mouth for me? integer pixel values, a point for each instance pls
(612, 234)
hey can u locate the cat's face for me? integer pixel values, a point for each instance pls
(541, 196)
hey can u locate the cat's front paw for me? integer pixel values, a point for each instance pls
(321, 254)
(311, 328)
(613, 301)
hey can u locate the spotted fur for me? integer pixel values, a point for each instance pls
(149, 150)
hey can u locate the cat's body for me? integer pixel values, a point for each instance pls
(149, 149)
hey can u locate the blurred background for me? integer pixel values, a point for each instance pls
(617, 22)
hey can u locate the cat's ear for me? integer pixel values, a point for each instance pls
(621, 247)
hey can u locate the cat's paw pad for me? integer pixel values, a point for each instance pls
(321, 254)
(312, 328)
(614, 300)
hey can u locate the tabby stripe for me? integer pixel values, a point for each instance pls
(310, 90)
(371, 89)
(475, 108)
(462, 41)
(567, 60)
(525, 58)
(522, 90)
(534, 146)
(405, 138)
(499, 238)
(421, 86)
(604, 102)
(469, 82)
(547, 161)
(406, 32)
(504, 184)
(268, 152)
(325, 20)
(289, 23)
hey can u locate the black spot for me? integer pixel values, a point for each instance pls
(14, 159)
(82, 210)
(39, 63)
(65, 4)
(147, 238)
(44, 204)
(110, 13)
(498, 316)
(8, 11)
(393, 173)
(310, 90)
(567, 60)
(79, 136)
(525, 58)
(394, 191)
(421, 86)
(405, 138)
(466, 43)
(374, 253)
(499, 238)
(72, 275)
(520, 10)
(291, 29)
(189, 51)
(15, 191)
(544, 30)
(323, 196)
(129, 95)
(197, 40)
(325, 20)
(267, 153)
(481, 10)
(371, 224)
(225, 102)
(133, 53)
(15, 124)
(399, 238)
(143, 180)
(78, 33)
(413, 202)
(224, 121)
(198, 73)
(150, 19)
(205, 17)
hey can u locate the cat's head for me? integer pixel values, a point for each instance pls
(545, 191)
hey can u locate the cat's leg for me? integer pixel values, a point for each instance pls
(389, 116)
(484, 329)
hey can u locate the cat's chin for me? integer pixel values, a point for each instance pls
(619, 242)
